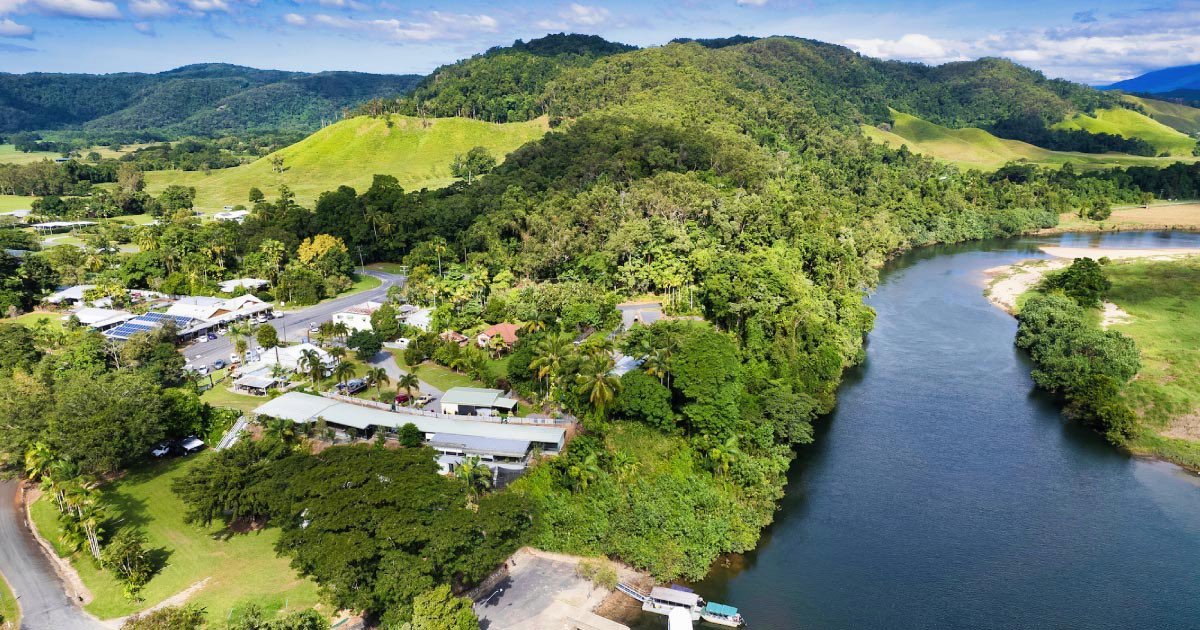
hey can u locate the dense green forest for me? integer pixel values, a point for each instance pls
(203, 99)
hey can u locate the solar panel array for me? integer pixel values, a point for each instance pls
(129, 328)
(181, 321)
(146, 323)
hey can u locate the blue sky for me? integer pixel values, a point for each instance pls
(1094, 42)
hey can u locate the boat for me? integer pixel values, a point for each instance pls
(721, 615)
(663, 600)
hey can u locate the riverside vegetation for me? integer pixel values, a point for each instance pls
(728, 178)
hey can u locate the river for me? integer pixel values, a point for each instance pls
(946, 492)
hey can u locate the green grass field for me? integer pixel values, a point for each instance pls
(351, 152)
(241, 569)
(10, 155)
(30, 319)
(1178, 117)
(1163, 300)
(443, 377)
(10, 612)
(972, 148)
(9, 203)
(1130, 124)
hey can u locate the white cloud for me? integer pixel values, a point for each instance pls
(429, 26)
(86, 9)
(577, 16)
(910, 47)
(751, 3)
(9, 28)
(151, 8)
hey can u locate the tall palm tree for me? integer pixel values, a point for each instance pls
(324, 332)
(409, 383)
(340, 329)
(723, 454)
(477, 476)
(378, 377)
(549, 355)
(596, 383)
(38, 460)
(281, 429)
(583, 473)
(311, 365)
(655, 364)
(343, 371)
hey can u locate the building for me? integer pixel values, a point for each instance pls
(232, 215)
(256, 385)
(69, 295)
(289, 359)
(419, 318)
(100, 318)
(357, 317)
(55, 226)
(453, 336)
(194, 316)
(250, 284)
(504, 446)
(506, 331)
(476, 401)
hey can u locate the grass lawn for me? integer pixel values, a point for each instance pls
(219, 396)
(241, 569)
(351, 152)
(31, 319)
(10, 155)
(443, 377)
(1178, 117)
(1163, 300)
(388, 267)
(362, 282)
(10, 613)
(15, 202)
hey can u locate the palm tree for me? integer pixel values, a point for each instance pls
(409, 382)
(340, 329)
(312, 366)
(378, 377)
(595, 381)
(477, 476)
(324, 332)
(723, 454)
(655, 364)
(38, 460)
(337, 352)
(281, 429)
(344, 371)
(550, 352)
(583, 473)
(496, 345)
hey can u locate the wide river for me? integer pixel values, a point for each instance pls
(946, 492)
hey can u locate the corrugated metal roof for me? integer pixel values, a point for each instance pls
(471, 396)
(478, 444)
(675, 597)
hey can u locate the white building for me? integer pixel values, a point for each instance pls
(250, 284)
(289, 358)
(232, 215)
(99, 318)
(357, 317)
(420, 318)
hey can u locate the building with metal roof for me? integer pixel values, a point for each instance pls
(304, 408)
(476, 401)
(99, 318)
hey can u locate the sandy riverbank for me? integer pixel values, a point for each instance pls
(1007, 283)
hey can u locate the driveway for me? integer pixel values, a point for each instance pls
(541, 592)
(387, 361)
(294, 326)
(44, 602)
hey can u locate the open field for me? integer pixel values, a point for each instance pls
(1130, 124)
(973, 148)
(31, 319)
(10, 155)
(239, 569)
(1162, 299)
(443, 377)
(350, 153)
(9, 203)
(10, 613)
(1178, 117)
(1159, 216)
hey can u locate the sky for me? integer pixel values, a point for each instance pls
(1092, 42)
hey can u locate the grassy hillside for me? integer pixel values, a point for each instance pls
(1178, 117)
(1130, 124)
(9, 154)
(976, 148)
(351, 152)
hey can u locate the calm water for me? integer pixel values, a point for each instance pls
(945, 492)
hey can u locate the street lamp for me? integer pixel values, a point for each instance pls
(489, 597)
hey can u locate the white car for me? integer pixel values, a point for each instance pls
(235, 358)
(202, 339)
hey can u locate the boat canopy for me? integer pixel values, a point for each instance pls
(720, 609)
(673, 596)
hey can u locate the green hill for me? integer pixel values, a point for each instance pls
(351, 152)
(1130, 124)
(976, 148)
(1178, 117)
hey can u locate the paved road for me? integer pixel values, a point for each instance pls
(44, 603)
(293, 326)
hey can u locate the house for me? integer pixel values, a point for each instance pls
(506, 447)
(476, 401)
(454, 337)
(419, 318)
(506, 331)
(194, 316)
(256, 385)
(357, 317)
(249, 284)
(99, 318)
(69, 295)
(289, 359)
(232, 215)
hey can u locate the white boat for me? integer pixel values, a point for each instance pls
(722, 615)
(663, 600)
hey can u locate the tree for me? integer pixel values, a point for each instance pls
(326, 255)
(174, 198)
(409, 382)
(438, 609)
(343, 371)
(410, 436)
(1084, 281)
(18, 348)
(385, 323)
(378, 377)
(597, 384)
(255, 195)
(475, 474)
(549, 354)
(187, 617)
(313, 367)
(126, 557)
(106, 422)
(644, 399)
(366, 344)
(268, 338)
(476, 162)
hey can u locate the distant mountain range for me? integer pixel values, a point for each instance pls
(1178, 81)
(203, 99)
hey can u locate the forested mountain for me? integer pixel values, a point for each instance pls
(1161, 81)
(842, 86)
(204, 99)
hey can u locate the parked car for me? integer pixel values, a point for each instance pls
(219, 364)
(191, 444)
(235, 358)
(212, 336)
(424, 399)
(202, 339)
(202, 370)
(313, 327)
(402, 398)
(164, 448)
(262, 319)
